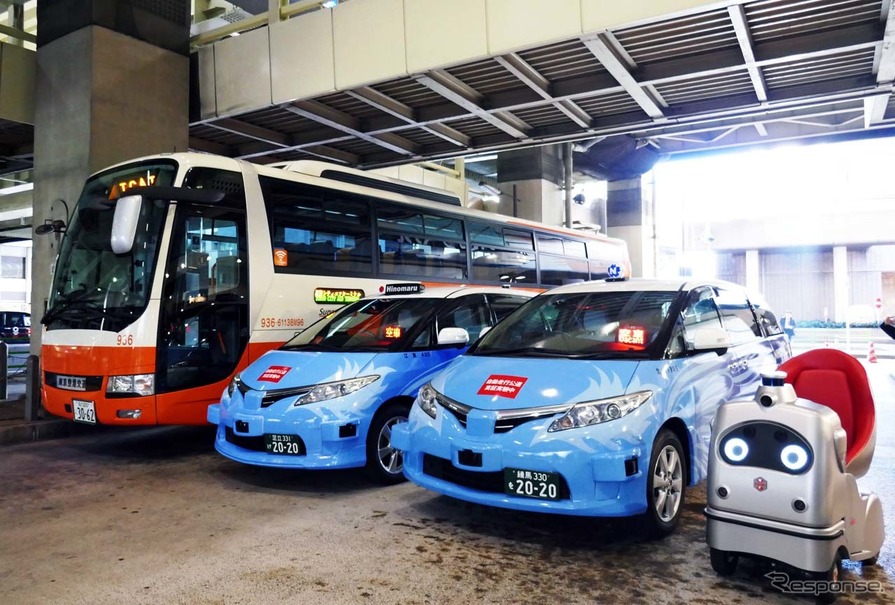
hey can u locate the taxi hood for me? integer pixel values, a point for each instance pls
(288, 369)
(511, 383)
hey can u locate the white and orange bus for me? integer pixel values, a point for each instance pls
(176, 271)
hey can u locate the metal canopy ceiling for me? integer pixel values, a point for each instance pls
(745, 74)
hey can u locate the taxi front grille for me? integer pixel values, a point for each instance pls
(271, 397)
(484, 481)
(506, 420)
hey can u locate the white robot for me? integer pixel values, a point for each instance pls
(782, 470)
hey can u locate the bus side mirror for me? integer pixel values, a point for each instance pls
(124, 223)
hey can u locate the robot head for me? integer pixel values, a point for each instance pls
(774, 390)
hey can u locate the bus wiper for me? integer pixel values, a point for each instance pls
(67, 301)
(522, 352)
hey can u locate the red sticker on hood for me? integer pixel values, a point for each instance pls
(274, 373)
(502, 386)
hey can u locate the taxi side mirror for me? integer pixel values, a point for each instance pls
(707, 338)
(453, 336)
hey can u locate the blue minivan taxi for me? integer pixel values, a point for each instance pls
(592, 399)
(330, 397)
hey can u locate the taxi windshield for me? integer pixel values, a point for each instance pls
(376, 324)
(584, 325)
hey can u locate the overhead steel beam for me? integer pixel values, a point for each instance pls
(529, 76)
(459, 93)
(255, 150)
(322, 114)
(875, 109)
(209, 146)
(600, 49)
(744, 37)
(334, 155)
(883, 67)
(404, 112)
(251, 131)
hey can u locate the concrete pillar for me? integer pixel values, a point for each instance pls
(537, 175)
(840, 283)
(113, 84)
(630, 217)
(753, 271)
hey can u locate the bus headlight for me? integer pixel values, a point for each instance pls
(138, 384)
(587, 413)
(332, 390)
(426, 400)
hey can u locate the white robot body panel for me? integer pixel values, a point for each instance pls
(803, 548)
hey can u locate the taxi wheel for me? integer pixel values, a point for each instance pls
(724, 563)
(385, 464)
(665, 485)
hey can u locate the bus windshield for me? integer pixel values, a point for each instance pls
(94, 288)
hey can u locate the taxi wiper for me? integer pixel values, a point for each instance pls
(613, 355)
(522, 352)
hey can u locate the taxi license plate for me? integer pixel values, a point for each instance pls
(84, 411)
(283, 444)
(531, 484)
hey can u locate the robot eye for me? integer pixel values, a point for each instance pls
(736, 449)
(794, 457)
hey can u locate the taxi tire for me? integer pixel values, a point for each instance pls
(387, 416)
(655, 526)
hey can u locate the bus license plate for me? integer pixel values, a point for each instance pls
(531, 484)
(83, 411)
(282, 444)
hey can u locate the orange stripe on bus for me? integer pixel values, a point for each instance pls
(188, 406)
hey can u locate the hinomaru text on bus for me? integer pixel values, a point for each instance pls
(140, 180)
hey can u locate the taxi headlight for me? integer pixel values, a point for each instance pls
(332, 390)
(139, 384)
(587, 413)
(234, 384)
(426, 400)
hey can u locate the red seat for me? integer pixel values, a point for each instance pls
(838, 381)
